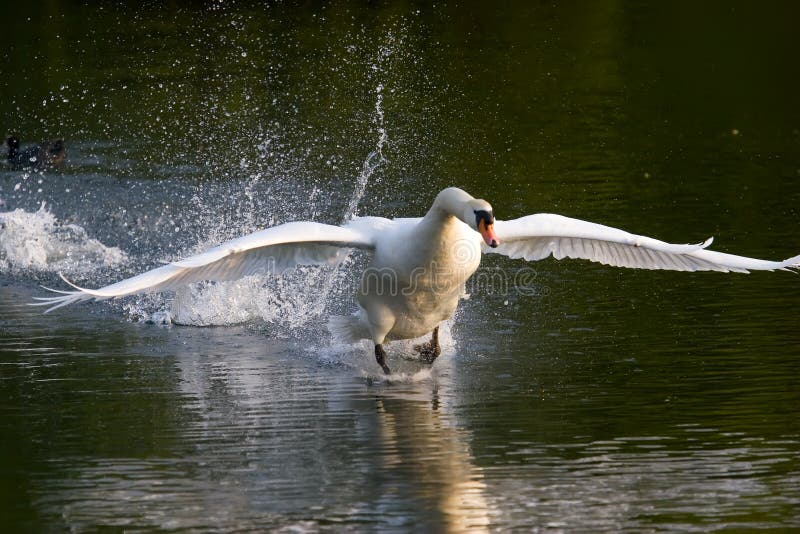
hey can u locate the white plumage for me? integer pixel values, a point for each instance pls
(536, 237)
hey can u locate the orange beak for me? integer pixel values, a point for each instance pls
(487, 232)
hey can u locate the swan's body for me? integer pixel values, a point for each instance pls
(419, 266)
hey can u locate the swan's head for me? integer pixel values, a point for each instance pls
(475, 212)
(479, 216)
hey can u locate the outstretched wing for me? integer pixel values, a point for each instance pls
(536, 237)
(273, 250)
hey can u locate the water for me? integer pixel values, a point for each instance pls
(569, 396)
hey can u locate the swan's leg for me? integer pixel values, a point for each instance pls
(380, 321)
(380, 355)
(430, 350)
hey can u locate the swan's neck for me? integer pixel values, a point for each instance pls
(448, 204)
(443, 226)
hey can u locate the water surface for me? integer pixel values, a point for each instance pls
(570, 396)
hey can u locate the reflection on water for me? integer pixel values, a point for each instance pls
(420, 443)
(229, 428)
(229, 431)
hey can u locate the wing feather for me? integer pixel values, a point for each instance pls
(536, 237)
(274, 250)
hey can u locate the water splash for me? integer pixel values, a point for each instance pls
(373, 161)
(404, 360)
(371, 164)
(37, 241)
(264, 183)
(286, 300)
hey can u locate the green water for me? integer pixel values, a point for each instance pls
(602, 400)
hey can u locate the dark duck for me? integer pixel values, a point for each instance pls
(45, 155)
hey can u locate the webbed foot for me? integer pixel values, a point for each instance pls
(430, 350)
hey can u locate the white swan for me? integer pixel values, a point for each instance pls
(419, 266)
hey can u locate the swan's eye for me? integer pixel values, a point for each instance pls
(482, 215)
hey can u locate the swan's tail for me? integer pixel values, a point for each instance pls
(347, 329)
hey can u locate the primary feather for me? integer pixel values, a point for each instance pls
(536, 237)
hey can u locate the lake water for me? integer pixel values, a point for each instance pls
(569, 397)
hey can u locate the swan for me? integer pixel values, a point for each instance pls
(419, 266)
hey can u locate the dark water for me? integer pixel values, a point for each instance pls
(580, 398)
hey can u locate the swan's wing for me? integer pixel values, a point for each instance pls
(273, 250)
(536, 237)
